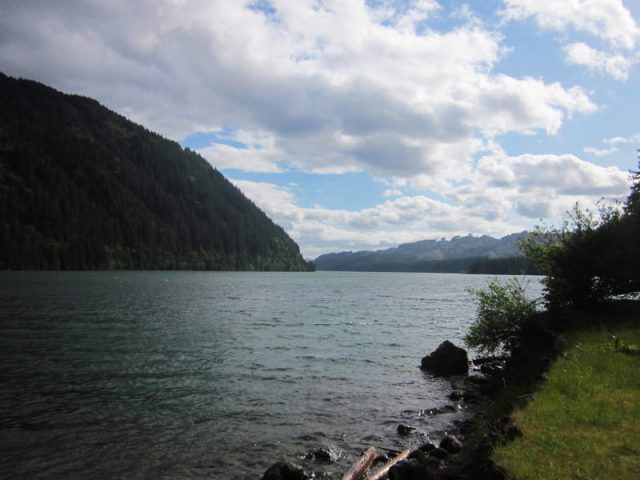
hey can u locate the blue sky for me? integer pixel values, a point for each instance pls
(362, 125)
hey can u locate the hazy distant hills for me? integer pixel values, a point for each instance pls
(82, 187)
(470, 254)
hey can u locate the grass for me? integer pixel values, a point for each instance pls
(584, 422)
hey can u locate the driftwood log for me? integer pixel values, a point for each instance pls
(357, 469)
(383, 472)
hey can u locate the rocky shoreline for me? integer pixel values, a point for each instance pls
(487, 395)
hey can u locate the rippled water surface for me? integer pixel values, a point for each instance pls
(217, 375)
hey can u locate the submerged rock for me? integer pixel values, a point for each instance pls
(437, 411)
(285, 471)
(405, 429)
(447, 359)
(324, 454)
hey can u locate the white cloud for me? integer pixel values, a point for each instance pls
(319, 230)
(609, 20)
(622, 140)
(256, 153)
(337, 86)
(561, 174)
(502, 195)
(615, 65)
(600, 152)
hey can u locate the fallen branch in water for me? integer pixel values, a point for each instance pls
(358, 468)
(383, 471)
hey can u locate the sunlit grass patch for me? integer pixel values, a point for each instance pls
(584, 422)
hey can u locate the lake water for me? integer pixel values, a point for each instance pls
(218, 375)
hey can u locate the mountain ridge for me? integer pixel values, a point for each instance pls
(459, 254)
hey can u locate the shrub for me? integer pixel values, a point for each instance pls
(503, 310)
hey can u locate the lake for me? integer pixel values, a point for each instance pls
(218, 374)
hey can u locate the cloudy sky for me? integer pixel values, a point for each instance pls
(364, 124)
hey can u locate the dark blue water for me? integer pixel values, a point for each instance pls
(217, 375)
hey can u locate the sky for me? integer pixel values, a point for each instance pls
(365, 124)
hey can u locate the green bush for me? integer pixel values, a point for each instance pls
(503, 309)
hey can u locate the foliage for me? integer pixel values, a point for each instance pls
(503, 310)
(587, 260)
(585, 420)
(82, 187)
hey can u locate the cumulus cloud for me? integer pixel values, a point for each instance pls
(542, 186)
(564, 174)
(319, 230)
(337, 85)
(622, 140)
(608, 20)
(246, 151)
(502, 194)
(600, 152)
(615, 65)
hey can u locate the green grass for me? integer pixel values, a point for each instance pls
(584, 422)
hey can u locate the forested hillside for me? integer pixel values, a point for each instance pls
(82, 187)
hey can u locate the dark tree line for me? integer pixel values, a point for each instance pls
(81, 187)
(593, 257)
(504, 266)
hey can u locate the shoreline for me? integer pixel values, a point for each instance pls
(485, 399)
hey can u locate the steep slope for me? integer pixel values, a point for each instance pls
(460, 254)
(82, 187)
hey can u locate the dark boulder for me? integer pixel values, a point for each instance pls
(440, 453)
(508, 429)
(455, 396)
(447, 359)
(284, 471)
(410, 469)
(427, 447)
(451, 444)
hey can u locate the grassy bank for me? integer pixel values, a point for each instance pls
(584, 421)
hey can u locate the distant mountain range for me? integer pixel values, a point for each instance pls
(82, 187)
(468, 254)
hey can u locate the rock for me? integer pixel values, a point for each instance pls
(455, 396)
(508, 429)
(324, 454)
(447, 359)
(381, 459)
(451, 444)
(464, 426)
(437, 411)
(410, 469)
(284, 471)
(433, 463)
(440, 453)
(427, 447)
(419, 455)
(470, 397)
(405, 429)
(491, 368)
